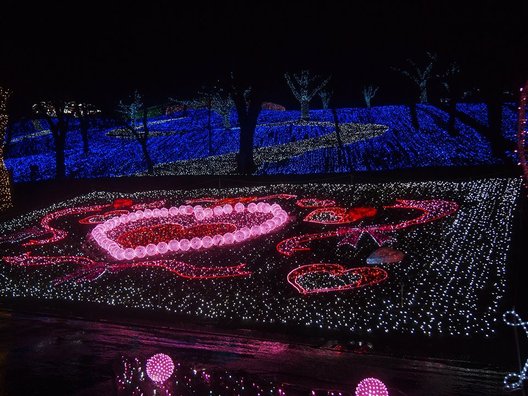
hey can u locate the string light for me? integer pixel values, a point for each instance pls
(315, 203)
(170, 379)
(431, 210)
(522, 130)
(160, 228)
(456, 238)
(322, 278)
(282, 145)
(337, 215)
(91, 270)
(5, 180)
(514, 381)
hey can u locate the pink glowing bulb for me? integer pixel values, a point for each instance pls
(160, 367)
(174, 245)
(371, 387)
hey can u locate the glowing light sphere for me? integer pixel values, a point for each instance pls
(160, 367)
(371, 387)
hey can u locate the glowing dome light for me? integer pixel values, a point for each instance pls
(160, 367)
(371, 387)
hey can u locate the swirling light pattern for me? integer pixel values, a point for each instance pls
(514, 381)
(451, 282)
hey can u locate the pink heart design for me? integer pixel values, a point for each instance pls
(333, 277)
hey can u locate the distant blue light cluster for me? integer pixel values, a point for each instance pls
(184, 136)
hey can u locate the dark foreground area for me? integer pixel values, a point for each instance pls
(47, 354)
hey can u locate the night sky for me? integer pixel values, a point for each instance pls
(101, 52)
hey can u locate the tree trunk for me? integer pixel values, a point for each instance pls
(143, 141)
(83, 124)
(60, 167)
(414, 116)
(246, 163)
(210, 131)
(305, 110)
(341, 153)
(146, 156)
(423, 93)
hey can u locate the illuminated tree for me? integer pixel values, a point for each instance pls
(325, 96)
(132, 114)
(368, 94)
(57, 113)
(304, 87)
(5, 183)
(420, 75)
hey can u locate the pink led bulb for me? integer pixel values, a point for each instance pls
(371, 387)
(160, 367)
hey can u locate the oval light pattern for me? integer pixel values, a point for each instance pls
(371, 387)
(160, 367)
(277, 217)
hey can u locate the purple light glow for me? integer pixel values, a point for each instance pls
(160, 367)
(371, 387)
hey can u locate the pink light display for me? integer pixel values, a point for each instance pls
(101, 218)
(91, 270)
(339, 276)
(58, 234)
(337, 215)
(371, 387)
(160, 367)
(122, 203)
(314, 203)
(149, 205)
(30, 232)
(381, 233)
(166, 223)
(234, 200)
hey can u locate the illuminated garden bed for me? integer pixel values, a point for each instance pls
(377, 139)
(424, 257)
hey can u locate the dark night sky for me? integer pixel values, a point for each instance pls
(101, 51)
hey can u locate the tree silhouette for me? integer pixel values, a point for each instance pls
(420, 75)
(84, 112)
(131, 114)
(248, 103)
(304, 87)
(368, 94)
(326, 96)
(449, 80)
(57, 113)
